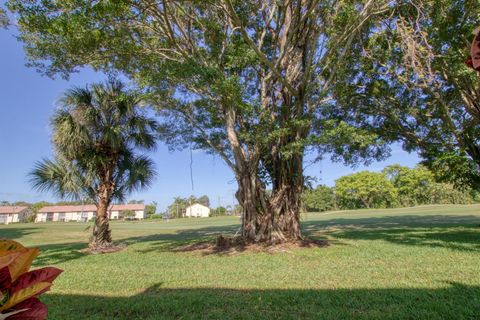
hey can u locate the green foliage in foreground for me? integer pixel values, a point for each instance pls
(416, 263)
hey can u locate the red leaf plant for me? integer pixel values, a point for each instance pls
(19, 287)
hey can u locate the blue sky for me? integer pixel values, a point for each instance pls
(27, 100)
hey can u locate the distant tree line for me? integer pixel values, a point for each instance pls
(395, 186)
(226, 211)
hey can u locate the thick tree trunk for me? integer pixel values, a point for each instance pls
(275, 218)
(251, 196)
(101, 236)
(285, 202)
(366, 203)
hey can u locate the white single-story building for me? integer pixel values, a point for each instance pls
(66, 213)
(11, 214)
(87, 212)
(117, 211)
(197, 210)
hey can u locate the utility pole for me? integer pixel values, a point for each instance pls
(233, 201)
(83, 203)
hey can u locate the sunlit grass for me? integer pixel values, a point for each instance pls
(415, 263)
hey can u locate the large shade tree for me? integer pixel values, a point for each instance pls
(97, 133)
(412, 84)
(246, 80)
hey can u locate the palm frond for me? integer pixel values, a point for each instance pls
(55, 177)
(135, 173)
(98, 129)
(76, 96)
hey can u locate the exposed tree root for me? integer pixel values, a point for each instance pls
(230, 246)
(111, 248)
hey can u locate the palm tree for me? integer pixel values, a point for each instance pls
(97, 132)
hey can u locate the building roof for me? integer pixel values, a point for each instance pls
(122, 207)
(12, 209)
(87, 207)
(91, 207)
(196, 205)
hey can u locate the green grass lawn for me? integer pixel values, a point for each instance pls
(416, 263)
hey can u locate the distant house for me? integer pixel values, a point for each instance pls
(10, 214)
(117, 211)
(197, 210)
(66, 213)
(87, 212)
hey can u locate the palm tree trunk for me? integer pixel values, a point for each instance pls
(101, 236)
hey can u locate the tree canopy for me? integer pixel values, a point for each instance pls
(4, 21)
(321, 198)
(411, 84)
(365, 189)
(413, 185)
(247, 80)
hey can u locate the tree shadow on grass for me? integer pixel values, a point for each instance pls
(50, 254)
(54, 254)
(174, 241)
(460, 233)
(439, 231)
(455, 301)
(16, 233)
